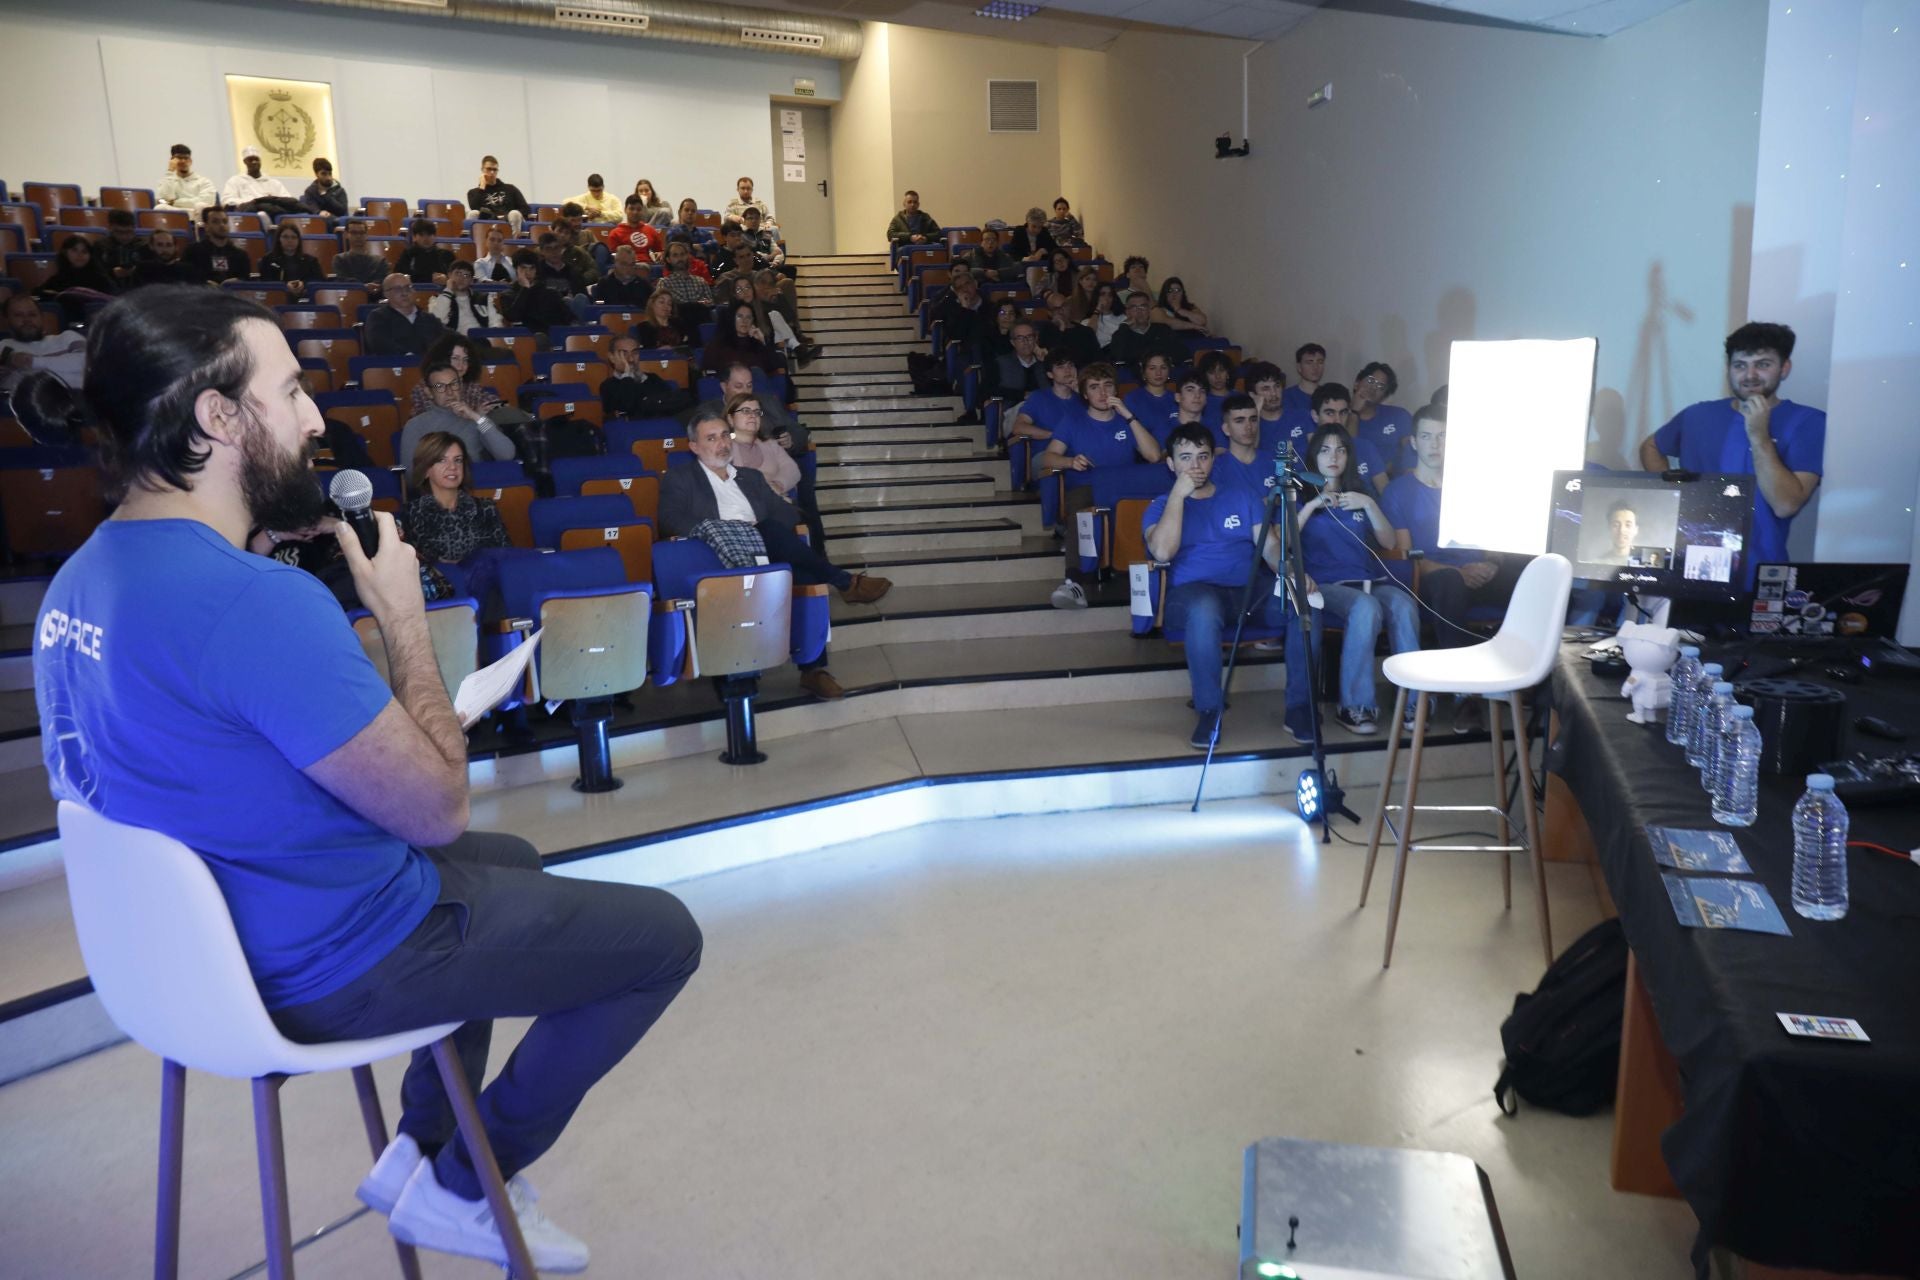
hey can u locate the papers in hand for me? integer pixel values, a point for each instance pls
(493, 684)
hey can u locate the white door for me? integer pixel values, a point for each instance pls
(799, 196)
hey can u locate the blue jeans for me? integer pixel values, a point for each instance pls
(1364, 613)
(1205, 612)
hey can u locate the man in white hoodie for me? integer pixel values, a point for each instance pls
(182, 188)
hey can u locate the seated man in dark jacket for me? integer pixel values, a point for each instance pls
(1139, 337)
(715, 489)
(1056, 335)
(423, 261)
(990, 262)
(1015, 374)
(530, 304)
(633, 392)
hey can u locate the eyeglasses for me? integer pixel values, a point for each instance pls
(1375, 381)
(443, 386)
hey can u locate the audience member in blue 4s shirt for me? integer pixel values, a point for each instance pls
(221, 698)
(1104, 433)
(1154, 401)
(1329, 409)
(1386, 429)
(1777, 442)
(1268, 386)
(1190, 405)
(1217, 370)
(1243, 463)
(1041, 411)
(1205, 533)
(1340, 533)
(1310, 366)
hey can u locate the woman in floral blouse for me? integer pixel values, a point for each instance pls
(445, 522)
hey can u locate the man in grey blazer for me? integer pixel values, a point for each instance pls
(714, 489)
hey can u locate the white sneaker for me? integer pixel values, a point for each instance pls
(382, 1186)
(1069, 595)
(428, 1216)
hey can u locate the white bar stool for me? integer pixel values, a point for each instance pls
(1518, 657)
(162, 954)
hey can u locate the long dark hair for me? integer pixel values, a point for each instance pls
(1349, 476)
(149, 356)
(1186, 299)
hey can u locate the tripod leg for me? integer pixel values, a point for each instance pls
(1386, 793)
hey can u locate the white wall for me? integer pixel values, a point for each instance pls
(1465, 181)
(1837, 214)
(417, 100)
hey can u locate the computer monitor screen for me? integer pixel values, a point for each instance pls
(1677, 538)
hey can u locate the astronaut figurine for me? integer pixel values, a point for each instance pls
(1651, 652)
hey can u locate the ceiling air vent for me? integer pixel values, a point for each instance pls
(589, 15)
(772, 39)
(1013, 106)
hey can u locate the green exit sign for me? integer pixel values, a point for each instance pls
(802, 88)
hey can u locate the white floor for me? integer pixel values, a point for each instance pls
(1009, 1048)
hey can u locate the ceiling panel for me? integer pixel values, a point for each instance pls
(1249, 22)
(1093, 24)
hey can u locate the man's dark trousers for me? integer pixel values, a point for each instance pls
(594, 964)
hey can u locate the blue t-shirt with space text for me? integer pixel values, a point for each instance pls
(183, 684)
(1412, 506)
(1157, 413)
(1216, 536)
(1106, 444)
(1711, 437)
(1337, 546)
(1046, 409)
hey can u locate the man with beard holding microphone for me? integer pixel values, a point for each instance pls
(222, 699)
(1777, 442)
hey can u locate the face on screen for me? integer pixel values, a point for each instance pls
(1622, 527)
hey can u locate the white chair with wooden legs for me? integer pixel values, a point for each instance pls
(1518, 657)
(161, 951)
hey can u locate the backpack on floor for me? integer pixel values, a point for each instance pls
(1563, 1041)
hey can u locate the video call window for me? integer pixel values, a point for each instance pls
(1628, 527)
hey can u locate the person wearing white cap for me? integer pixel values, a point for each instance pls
(251, 193)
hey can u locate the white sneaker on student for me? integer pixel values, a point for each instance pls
(382, 1186)
(1069, 595)
(428, 1216)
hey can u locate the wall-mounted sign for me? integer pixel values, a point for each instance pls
(802, 88)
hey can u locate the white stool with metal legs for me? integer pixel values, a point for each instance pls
(161, 951)
(1518, 657)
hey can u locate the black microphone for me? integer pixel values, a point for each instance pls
(352, 492)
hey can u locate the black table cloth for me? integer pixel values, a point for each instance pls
(1791, 1152)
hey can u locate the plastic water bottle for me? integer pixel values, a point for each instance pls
(1685, 674)
(1820, 851)
(1697, 723)
(1713, 718)
(1736, 801)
